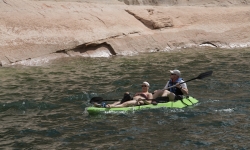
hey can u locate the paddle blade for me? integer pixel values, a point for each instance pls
(205, 74)
(96, 99)
(201, 76)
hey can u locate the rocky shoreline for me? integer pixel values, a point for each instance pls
(34, 32)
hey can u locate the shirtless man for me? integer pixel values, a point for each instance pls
(139, 98)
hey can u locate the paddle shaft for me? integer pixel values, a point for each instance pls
(180, 83)
(201, 76)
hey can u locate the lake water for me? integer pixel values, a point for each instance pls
(43, 107)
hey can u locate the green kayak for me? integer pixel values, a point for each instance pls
(187, 101)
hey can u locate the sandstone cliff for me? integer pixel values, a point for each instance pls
(188, 2)
(37, 31)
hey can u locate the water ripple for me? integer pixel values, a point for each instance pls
(43, 107)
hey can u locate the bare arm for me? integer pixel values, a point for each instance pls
(183, 90)
(150, 97)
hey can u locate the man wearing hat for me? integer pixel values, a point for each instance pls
(176, 92)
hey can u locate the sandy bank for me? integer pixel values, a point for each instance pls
(33, 32)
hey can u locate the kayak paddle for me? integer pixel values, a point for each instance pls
(201, 76)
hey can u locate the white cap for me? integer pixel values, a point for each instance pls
(146, 83)
(177, 72)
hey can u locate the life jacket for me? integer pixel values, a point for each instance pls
(175, 90)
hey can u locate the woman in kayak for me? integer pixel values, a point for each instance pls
(176, 92)
(139, 98)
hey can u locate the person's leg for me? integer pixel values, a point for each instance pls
(115, 103)
(158, 93)
(168, 94)
(125, 104)
(96, 104)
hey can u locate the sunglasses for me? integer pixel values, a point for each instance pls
(172, 74)
(143, 86)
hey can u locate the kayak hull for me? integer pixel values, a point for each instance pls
(187, 101)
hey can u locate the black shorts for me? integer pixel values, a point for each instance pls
(178, 97)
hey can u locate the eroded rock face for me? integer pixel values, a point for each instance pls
(34, 32)
(151, 18)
